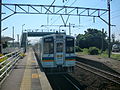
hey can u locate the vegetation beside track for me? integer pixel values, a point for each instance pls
(95, 42)
(113, 56)
(104, 54)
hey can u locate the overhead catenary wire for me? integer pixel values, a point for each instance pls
(64, 5)
(59, 16)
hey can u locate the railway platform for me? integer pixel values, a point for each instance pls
(26, 75)
(111, 63)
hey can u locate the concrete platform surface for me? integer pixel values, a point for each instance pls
(26, 75)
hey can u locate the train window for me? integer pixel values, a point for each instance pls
(59, 47)
(69, 45)
(59, 37)
(48, 45)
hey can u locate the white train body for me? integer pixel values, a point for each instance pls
(56, 51)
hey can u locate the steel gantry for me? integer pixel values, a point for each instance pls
(55, 10)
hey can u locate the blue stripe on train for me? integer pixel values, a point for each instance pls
(72, 57)
(48, 58)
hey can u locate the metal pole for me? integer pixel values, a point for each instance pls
(0, 25)
(109, 44)
(48, 22)
(13, 37)
(22, 27)
(18, 39)
(59, 27)
(102, 40)
(69, 29)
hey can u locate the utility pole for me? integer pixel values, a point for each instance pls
(18, 40)
(109, 24)
(102, 40)
(69, 29)
(13, 37)
(22, 28)
(0, 26)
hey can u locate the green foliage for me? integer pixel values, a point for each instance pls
(105, 52)
(85, 51)
(93, 51)
(92, 38)
(115, 56)
(78, 49)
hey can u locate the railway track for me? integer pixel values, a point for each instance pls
(63, 82)
(107, 75)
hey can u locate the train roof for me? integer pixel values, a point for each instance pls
(57, 34)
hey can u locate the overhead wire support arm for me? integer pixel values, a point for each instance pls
(103, 20)
(56, 10)
(93, 12)
(35, 9)
(102, 13)
(22, 8)
(63, 20)
(8, 16)
(50, 6)
(9, 8)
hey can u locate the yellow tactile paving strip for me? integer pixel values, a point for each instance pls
(30, 75)
(35, 75)
(33, 61)
(26, 81)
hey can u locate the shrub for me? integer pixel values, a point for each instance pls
(78, 49)
(93, 51)
(85, 50)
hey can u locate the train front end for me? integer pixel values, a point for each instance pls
(58, 52)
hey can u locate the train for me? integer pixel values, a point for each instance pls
(56, 52)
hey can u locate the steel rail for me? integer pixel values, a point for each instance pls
(107, 75)
(71, 82)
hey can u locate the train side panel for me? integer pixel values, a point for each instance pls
(48, 52)
(70, 51)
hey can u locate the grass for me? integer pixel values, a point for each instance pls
(85, 51)
(113, 56)
(103, 55)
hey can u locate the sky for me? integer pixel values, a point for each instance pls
(35, 21)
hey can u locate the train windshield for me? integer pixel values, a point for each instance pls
(69, 45)
(48, 45)
(59, 47)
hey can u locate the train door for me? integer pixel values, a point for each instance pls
(59, 53)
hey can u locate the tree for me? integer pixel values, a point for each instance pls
(92, 38)
(5, 45)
